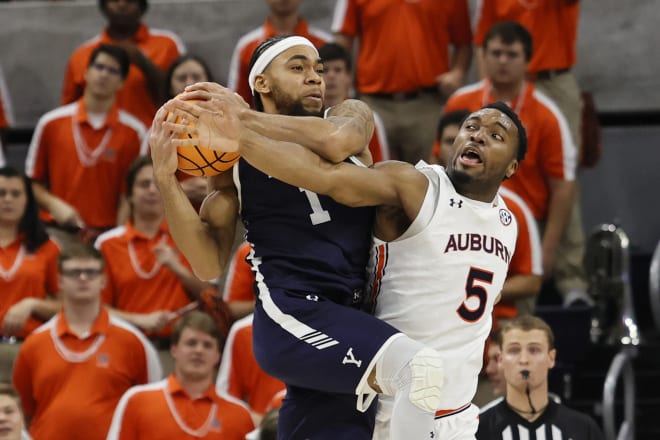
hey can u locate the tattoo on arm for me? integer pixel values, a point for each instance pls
(357, 115)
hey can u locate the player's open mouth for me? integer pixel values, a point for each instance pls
(471, 157)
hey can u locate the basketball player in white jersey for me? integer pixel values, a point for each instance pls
(442, 239)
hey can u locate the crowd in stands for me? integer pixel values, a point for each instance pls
(107, 333)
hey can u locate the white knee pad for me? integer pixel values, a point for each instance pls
(428, 377)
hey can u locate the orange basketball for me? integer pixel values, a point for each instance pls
(202, 161)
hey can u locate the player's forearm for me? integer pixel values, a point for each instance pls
(347, 184)
(521, 286)
(345, 132)
(189, 232)
(562, 193)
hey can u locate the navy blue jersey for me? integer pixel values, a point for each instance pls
(307, 243)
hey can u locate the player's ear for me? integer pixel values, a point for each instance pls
(511, 169)
(261, 84)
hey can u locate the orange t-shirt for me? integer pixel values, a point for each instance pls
(239, 284)
(552, 24)
(87, 171)
(239, 66)
(145, 413)
(403, 45)
(240, 375)
(551, 153)
(527, 256)
(135, 281)
(378, 146)
(35, 277)
(162, 47)
(75, 399)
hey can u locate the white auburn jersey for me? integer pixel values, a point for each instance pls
(438, 282)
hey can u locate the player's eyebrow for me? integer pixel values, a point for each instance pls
(304, 58)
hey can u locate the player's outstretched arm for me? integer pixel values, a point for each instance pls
(346, 131)
(205, 244)
(389, 183)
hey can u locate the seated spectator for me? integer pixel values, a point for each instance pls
(12, 424)
(238, 292)
(80, 152)
(240, 375)
(28, 267)
(185, 405)
(528, 353)
(72, 371)
(338, 76)
(184, 71)
(148, 280)
(283, 19)
(151, 52)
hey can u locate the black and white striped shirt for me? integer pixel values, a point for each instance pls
(558, 422)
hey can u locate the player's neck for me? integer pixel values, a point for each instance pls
(97, 104)
(8, 233)
(195, 387)
(148, 225)
(507, 92)
(80, 316)
(531, 407)
(283, 24)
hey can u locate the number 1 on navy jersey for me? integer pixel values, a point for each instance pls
(318, 215)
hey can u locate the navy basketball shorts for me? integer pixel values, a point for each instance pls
(323, 351)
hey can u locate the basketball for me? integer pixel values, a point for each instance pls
(202, 161)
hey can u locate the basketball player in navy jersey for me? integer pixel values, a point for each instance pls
(308, 254)
(441, 248)
(528, 353)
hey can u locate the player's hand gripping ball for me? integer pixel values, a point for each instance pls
(199, 160)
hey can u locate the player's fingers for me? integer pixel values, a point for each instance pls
(179, 127)
(183, 109)
(205, 85)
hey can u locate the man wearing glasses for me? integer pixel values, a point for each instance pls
(71, 372)
(81, 152)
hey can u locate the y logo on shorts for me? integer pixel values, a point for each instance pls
(350, 359)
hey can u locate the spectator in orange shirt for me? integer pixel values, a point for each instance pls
(72, 371)
(404, 67)
(238, 292)
(28, 267)
(80, 152)
(283, 19)
(148, 279)
(151, 53)
(5, 115)
(553, 26)
(186, 70)
(523, 280)
(338, 78)
(240, 375)
(546, 180)
(12, 424)
(185, 405)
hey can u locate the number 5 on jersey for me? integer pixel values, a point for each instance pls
(476, 292)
